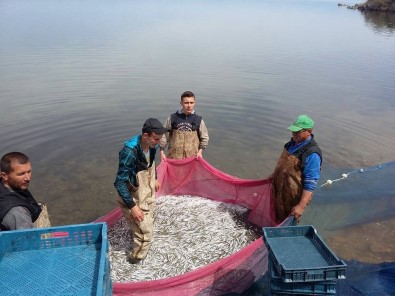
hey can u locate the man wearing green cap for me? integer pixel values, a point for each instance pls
(298, 170)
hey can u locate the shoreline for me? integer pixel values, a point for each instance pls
(373, 6)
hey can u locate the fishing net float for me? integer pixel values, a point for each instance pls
(361, 170)
(233, 273)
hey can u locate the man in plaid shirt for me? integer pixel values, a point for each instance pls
(136, 185)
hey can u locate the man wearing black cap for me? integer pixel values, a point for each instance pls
(136, 185)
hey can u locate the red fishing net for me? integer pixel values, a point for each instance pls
(232, 274)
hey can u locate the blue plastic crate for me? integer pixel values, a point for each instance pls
(65, 260)
(277, 285)
(300, 255)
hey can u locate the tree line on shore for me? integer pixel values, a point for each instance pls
(374, 5)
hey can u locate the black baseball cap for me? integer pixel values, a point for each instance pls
(154, 125)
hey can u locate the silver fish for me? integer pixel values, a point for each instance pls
(189, 232)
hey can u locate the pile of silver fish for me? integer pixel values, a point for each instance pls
(189, 232)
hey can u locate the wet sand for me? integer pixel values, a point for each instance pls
(368, 243)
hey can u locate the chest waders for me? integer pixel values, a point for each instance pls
(43, 220)
(183, 144)
(144, 197)
(287, 184)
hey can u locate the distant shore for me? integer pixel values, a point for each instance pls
(373, 5)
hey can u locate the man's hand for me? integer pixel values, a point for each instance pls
(162, 156)
(297, 212)
(199, 154)
(157, 185)
(137, 214)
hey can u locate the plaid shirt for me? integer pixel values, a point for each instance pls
(131, 161)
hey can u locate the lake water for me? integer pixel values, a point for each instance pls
(78, 78)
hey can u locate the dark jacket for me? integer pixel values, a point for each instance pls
(10, 199)
(310, 148)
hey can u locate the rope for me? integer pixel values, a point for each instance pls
(361, 170)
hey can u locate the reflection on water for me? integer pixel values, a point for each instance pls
(380, 22)
(77, 78)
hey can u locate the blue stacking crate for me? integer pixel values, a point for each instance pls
(300, 255)
(279, 287)
(282, 293)
(64, 260)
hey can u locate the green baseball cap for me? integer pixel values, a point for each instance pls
(302, 122)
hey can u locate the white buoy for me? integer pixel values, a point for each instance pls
(361, 170)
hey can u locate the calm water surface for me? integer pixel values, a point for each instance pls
(77, 78)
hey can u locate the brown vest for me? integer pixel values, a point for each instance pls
(287, 184)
